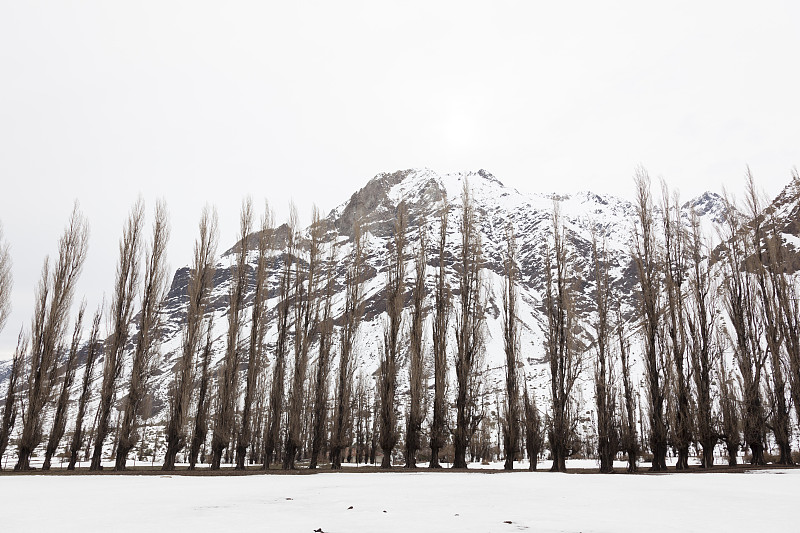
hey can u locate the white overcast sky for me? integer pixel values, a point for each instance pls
(199, 102)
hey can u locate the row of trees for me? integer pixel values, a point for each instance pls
(264, 405)
(717, 329)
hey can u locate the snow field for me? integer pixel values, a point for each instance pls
(405, 502)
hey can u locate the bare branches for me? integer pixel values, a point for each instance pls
(306, 314)
(203, 402)
(227, 378)
(511, 415)
(604, 379)
(93, 349)
(564, 358)
(53, 300)
(322, 368)
(628, 439)
(534, 433)
(740, 298)
(272, 435)
(351, 319)
(120, 317)
(729, 400)
(258, 325)
(469, 329)
(200, 285)
(387, 373)
(10, 410)
(415, 415)
(6, 280)
(154, 290)
(646, 258)
(701, 325)
(441, 322)
(60, 416)
(674, 268)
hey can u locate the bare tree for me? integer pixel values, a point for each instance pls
(729, 399)
(200, 285)
(322, 367)
(10, 409)
(646, 257)
(534, 435)
(675, 268)
(93, 349)
(740, 302)
(228, 376)
(511, 414)
(701, 325)
(351, 319)
(154, 291)
(373, 441)
(6, 284)
(564, 359)
(469, 330)
(53, 301)
(62, 404)
(259, 415)
(416, 361)
(604, 379)
(120, 318)
(362, 417)
(395, 303)
(789, 303)
(306, 316)
(442, 310)
(768, 265)
(628, 439)
(6, 280)
(273, 425)
(258, 325)
(203, 403)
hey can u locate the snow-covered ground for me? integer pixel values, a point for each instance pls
(404, 502)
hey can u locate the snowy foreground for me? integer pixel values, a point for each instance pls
(404, 502)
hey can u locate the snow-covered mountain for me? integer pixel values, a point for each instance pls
(423, 190)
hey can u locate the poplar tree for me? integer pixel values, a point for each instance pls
(351, 319)
(6, 280)
(10, 407)
(395, 303)
(416, 361)
(120, 317)
(469, 332)
(740, 296)
(94, 348)
(441, 323)
(322, 367)
(564, 359)
(154, 290)
(224, 418)
(255, 348)
(62, 404)
(200, 284)
(51, 312)
(306, 316)
(275, 413)
(702, 331)
(511, 414)
(646, 258)
(604, 379)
